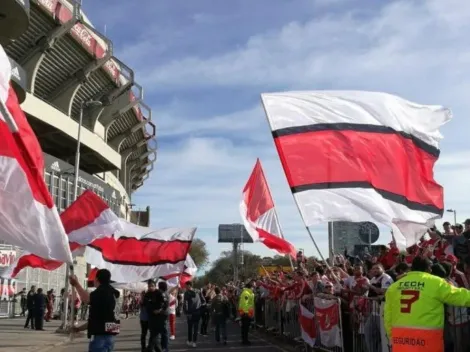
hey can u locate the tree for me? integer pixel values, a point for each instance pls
(199, 253)
(222, 269)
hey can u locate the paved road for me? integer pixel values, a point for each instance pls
(129, 340)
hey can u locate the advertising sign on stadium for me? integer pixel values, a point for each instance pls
(7, 257)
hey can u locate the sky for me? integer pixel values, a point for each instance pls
(204, 63)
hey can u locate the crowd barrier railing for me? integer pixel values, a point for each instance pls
(311, 324)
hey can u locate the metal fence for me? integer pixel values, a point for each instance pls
(312, 324)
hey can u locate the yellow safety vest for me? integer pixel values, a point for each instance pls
(246, 304)
(414, 311)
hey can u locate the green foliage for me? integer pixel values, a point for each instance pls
(199, 253)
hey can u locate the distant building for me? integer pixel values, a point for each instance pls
(344, 235)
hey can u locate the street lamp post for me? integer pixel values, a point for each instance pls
(455, 215)
(69, 270)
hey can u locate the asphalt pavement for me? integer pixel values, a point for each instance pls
(129, 340)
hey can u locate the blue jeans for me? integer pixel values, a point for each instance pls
(101, 343)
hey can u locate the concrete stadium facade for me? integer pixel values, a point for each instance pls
(59, 63)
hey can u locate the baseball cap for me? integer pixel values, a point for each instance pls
(467, 222)
(451, 259)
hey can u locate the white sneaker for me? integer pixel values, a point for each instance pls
(188, 343)
(172, 337)
(194, 344)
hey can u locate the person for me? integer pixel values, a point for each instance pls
(414, 306)
(102, 325)
(23, 295)
(40, 300)
(173, 306)
(144, 317)
(30, 307)
(192, 309)
(246, 309)
(220, 313)
(50, 304)
(157, 304)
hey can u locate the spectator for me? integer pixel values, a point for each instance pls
(30, 307)
(40, 301)
(102, 325)
(192, 309)
(220, 312)
(157, 303)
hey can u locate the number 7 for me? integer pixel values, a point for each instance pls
(406, 303)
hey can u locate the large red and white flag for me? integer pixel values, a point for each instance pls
(140, 253)
(28, 216)
(259, 214)
(307, 326)
(86, 219)
(360, 156)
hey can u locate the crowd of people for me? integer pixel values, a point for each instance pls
(361, 282)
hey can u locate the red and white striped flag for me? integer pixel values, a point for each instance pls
(140, 253)
(307, 326)
(259, 214)
(28, 216)
(88, 218)
(360, 156)
(180, 279)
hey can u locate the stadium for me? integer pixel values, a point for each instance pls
(68, 80)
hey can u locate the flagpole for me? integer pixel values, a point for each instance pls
(70, 268)
(282, 235)
(298, 208)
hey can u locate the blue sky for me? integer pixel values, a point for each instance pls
(204, 63)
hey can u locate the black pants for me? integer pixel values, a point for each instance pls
(220, 327)
(245, 320)
(144, 328)
(39, 319)
(29, 318)
(193, 325)
(158, 327)
(204, 320)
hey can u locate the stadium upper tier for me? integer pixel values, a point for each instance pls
(59, 63)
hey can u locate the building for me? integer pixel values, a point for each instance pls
(347, 235)
(64, 71)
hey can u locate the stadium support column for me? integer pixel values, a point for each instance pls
(235, 261)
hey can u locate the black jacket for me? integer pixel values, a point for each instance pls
(102, 310)
(30, 300)
(157, 301)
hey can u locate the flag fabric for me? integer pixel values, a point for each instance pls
(180, 279)
(327, 317)
(87, 218)
(28, 216)
(307, 326)
(360, 156)
(140, 253)
(259, 213)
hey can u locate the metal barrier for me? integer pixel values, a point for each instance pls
(318, 320)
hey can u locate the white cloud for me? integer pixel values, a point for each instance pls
(412, 48)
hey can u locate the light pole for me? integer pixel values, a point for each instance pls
(69, 271)
(455, 215)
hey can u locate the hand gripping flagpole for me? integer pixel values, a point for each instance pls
(298, 208)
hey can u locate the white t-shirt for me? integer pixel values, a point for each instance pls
(383, 281)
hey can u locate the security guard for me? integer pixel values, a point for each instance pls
(246, 308)
(414, 309)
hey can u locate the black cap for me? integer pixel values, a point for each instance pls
(467, 222)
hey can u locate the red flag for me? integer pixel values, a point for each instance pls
(88, 218)
(259, 214)
(28, 216)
